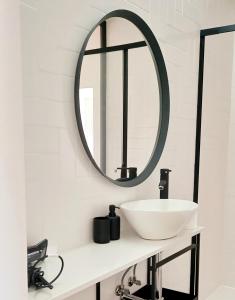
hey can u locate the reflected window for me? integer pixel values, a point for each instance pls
(86, 107)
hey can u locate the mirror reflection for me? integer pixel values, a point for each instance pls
(119, 99)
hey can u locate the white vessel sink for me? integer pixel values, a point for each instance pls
(157, 219)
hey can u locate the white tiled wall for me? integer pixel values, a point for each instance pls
(13, 284)
(63, 190)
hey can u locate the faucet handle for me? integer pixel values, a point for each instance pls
(162, 184)
(120, 291)
(133, 280)
(165, 171)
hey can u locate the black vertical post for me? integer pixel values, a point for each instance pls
(153, 278)
(197, 265)
(125, 114)
(194, 274)
(103, 84)
(193, 269)
(148, 271)
(98, 291)
(199, 118)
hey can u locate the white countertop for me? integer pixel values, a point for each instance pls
(93, 263)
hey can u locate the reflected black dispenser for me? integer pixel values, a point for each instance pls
(132, 173)
(114, 223)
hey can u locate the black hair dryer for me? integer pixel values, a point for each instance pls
(35, 255)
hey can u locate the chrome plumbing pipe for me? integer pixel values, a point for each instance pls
(159, 277)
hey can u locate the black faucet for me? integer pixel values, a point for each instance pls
(132, 173)
(164, 183)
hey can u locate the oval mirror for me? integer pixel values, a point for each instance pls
(122, 98)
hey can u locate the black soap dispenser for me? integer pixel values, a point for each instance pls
(114, 223)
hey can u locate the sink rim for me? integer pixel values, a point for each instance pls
(128, 205)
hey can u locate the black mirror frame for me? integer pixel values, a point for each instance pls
(163, 95)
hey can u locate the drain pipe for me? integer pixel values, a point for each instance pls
(159, 277)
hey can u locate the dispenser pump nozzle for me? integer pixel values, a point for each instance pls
(112, 212)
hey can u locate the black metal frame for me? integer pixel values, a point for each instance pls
(103, 98)
(203, 34)
(194, 274)
(162, 83)
(116, 48)
(125, 115)
(150, 290)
